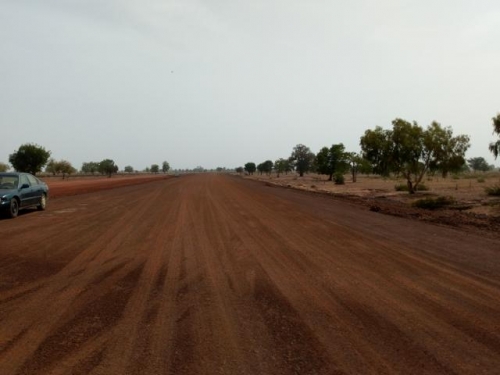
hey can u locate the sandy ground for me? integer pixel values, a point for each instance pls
(81, 185)
(473, 209)
(209, 274)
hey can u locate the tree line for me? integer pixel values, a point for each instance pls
(32, 158)
(407, 150)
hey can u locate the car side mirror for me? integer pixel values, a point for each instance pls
(25, 186)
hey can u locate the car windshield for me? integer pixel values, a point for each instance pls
(8, 182)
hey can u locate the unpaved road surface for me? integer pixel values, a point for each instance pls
(208, 274)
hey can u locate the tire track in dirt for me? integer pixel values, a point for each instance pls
(212, 274)
(381, 283)
(57, 296)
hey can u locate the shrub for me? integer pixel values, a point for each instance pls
(481, 179)
(339, 179)
(404, 187)
(493, 190)
(430, 203)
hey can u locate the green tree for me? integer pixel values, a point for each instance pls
(322, 162)
(303, 158)
(478, 164)
(64, 167)
(267, 166)
(128, 169)
(448, 152)
(239, 170)
(356, 164)
(411, 151)
(165, 167)
(250, 167)
(58, 167)
(107, 167)
(333, 160)
(495, 146)
(4, 167)
(280, 166)
(155, 168)
(260, 168)
(29, 158)
(90, 167)
(377, 148)
(51, 166)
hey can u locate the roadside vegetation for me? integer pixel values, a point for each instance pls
(493, 190)
(406, 150)
(406, 158)
(434, 203)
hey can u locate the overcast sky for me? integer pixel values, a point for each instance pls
(220, 83)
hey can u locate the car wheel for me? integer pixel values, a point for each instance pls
(43, 203)
(14, 208)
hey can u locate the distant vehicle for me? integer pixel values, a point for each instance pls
(21, 190)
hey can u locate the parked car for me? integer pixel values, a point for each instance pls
(21, 190)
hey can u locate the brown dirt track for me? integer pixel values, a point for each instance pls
(209, 274)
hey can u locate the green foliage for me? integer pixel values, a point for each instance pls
(250, 167)
(481, 180)
(356, 164)
(282, 166)
(90, 167)
(63, 167)
(128, 169)
(29, 158)
(411, 151)
(495, 146)
(377, 149)
(333, 160)
(339, 179)
(430, 203)
(302, 158)
(239, 170)
(107, 167)
(4, 167)
(447, 153)
(265, 167)
(404, 187)
(493, 190)
(51, 166)
(165, 167)
(155, 168)
(478, 164)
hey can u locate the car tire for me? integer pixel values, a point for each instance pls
(43, 203)
(13, 208)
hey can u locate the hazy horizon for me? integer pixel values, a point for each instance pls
(222, 83)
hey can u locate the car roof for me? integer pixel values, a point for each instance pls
(15, 174)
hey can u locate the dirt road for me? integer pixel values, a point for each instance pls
(208, 274)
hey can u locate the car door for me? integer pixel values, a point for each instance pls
(25, 193)
(36, 189)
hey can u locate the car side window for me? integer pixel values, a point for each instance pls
(24, 180)
(32, 180)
